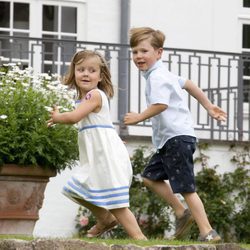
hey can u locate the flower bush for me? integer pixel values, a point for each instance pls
(26, 99)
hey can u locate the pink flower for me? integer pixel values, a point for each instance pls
(84, 221)
(143, 220)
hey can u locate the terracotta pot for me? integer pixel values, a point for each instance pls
(21, 196)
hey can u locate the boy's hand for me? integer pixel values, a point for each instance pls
(53, 115)
(217, 113)
(131, 118)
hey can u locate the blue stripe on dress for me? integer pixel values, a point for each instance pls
(109, 202)
(83, 192)
(99, 190)
(95, 126)
(100, 203)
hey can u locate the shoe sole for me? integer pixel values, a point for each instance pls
(185, 229)
(216, 239)
(104, 230)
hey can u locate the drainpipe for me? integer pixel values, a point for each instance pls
(123, 65)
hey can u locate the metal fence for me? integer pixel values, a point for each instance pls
(222, 76)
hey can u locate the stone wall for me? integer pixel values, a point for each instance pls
(59, 244)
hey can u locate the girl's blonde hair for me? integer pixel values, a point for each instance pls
(105, 84)
(140, 34)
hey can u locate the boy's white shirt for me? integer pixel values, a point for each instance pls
(164, 87)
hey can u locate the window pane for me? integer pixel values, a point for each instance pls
(246, 91)
(4, 14)
(246, 3)
(246, 36)
(67, 51)
(5, 45)
(21, 16)
(50, 48)
(246, 71)
(50, 18)
(69, 19)
(20, 46)
(48, 69)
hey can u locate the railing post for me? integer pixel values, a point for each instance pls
(123, 69)
(240, 99)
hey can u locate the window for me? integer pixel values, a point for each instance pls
(59, 22)
(4, 15)
(246, 91)
(246, 63)
(21, 16)
(246, 3)
(14, 21)
(50, 18)
(246, 36)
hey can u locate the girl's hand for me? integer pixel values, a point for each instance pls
(53, 116)
(217, 113)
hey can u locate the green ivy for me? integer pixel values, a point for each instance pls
(226, 197)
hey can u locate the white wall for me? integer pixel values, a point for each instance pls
(58, 213)
(103, 21)
(192, 24)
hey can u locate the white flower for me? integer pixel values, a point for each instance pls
(49, 109)
(3, 117)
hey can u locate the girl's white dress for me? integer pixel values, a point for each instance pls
(105, 170)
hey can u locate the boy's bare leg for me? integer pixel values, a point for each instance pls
(163, 189)
(128, 221)
(198, 211)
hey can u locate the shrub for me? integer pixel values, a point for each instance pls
(25, 138)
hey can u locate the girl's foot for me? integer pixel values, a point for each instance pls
(98, 230)
(143, 237)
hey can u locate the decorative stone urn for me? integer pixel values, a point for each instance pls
(21, 197)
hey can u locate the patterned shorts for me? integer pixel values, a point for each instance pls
(174, 162)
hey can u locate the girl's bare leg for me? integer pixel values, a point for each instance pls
(102, 215)
(127, 219)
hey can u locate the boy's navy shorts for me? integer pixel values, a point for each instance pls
(174, 162)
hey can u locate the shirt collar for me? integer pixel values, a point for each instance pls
(157, 64)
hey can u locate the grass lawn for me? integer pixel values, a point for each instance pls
(150, 242)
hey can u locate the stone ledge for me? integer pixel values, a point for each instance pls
(59, 244)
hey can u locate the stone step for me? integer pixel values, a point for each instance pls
(74, 244)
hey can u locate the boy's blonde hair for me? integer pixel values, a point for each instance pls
(137, 35)
(105, 84)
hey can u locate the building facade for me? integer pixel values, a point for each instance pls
(207, 41)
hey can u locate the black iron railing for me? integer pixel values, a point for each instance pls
(222, 76)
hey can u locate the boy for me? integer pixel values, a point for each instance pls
(173, 133)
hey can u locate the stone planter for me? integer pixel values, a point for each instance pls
(21, 197)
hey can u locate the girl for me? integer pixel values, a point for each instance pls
(106, 173)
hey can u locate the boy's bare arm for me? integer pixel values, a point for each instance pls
(213, 110)
(153, 110)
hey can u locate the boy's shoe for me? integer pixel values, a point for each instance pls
(183, 225)
(212, 236)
